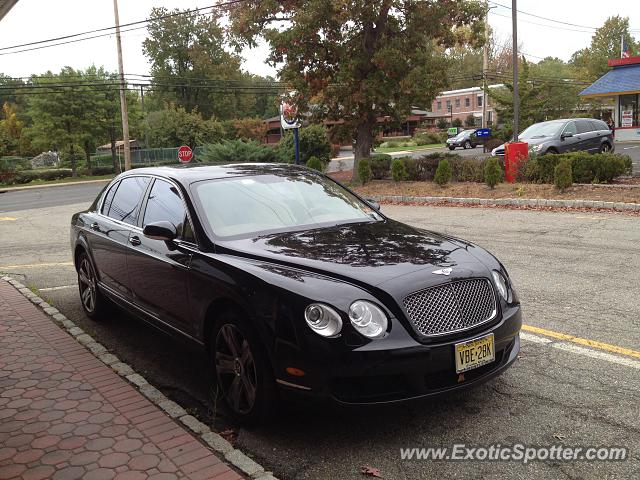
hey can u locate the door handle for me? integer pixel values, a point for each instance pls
(135, 241)
(95, 226)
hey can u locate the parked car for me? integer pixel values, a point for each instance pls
(465, 139)
(568, 135)
(295, 285)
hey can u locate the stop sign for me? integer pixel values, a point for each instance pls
(185, 154)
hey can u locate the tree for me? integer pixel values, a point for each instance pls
(193, 68)
(358, 61)
(442, 123)
(175, 126)
(10, 130)
(313, 143)
(591, 62)
(470, 121)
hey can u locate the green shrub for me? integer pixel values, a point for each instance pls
(398, 170)
(380, 165)
(471, 170)
(313, 143)
(236, 151)
(585, 167)
(364, 170)
(562, 177)
(443, 173)
(315, 163)
(27, 176)
(493, 173)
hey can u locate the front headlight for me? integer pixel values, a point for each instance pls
(368, 319)
(323, 319)
(536, 148)
(502, 286)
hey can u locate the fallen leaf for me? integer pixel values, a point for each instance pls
(559, 436)
(370, 471)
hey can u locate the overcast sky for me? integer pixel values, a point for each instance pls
(33, 20)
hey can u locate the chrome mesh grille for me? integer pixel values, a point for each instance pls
(451, 307)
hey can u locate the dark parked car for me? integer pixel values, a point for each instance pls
(569, 135)
(294, 284)
(465, 139)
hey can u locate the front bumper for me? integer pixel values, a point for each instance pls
(405, 372)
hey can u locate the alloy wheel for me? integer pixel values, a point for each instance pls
(235, 369)
(87, 283)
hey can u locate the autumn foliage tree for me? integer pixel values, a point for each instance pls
(359, 60)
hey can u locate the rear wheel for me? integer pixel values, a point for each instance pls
(605, 148)
(451, 147)
(93, 302)
(243, 374)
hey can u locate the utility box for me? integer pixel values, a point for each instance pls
(514, 154)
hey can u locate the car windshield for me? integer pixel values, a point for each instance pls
(542, 130)
(463, 134)
(269, 203)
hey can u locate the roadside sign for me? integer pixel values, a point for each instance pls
(483, 132)
(288, 116)
(452, 131)
(185, 154)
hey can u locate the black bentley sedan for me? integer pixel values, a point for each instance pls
(295, 284)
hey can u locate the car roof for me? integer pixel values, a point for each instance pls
(188, 174)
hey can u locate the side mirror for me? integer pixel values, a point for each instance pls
(566, 135)
(375, 205)
(165, 231)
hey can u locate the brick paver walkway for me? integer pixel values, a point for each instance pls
(66, 415)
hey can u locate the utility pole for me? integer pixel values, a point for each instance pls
(516, 97)
(485, 67)
(123, 97)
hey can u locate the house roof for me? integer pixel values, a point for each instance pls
(5, 6)
(619, 80)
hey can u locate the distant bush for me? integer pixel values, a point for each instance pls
(27, 176)
(493, 173)
(492, 143)
(313, 143)
(398, 170)
(428, 138)
(585, 167)
(424, 168)
(236, 151)
(315, 163)
(562, 177)
(468, 170)
(380, 165)
(364, 170)
(443, 173)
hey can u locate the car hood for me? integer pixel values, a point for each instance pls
(530, 142)
(369, 253)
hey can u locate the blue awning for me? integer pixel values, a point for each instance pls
(620, 80)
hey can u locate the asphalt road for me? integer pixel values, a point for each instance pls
(11, 201)
(633, 150)
(576, 273)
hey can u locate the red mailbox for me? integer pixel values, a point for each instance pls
(514, 153)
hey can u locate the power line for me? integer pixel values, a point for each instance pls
(148, 20)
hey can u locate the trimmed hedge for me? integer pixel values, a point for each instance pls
(586, 167)
(380, 165)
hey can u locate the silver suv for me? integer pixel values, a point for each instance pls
(569, 135)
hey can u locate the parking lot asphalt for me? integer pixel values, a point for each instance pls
(576, 273)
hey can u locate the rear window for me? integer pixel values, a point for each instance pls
(584, 126)
(599, 125)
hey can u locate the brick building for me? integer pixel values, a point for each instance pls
(459, 104)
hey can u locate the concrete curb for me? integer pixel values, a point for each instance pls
(65, 184)
(515, 202)
(214, 441)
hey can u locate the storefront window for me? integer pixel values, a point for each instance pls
(628, 113)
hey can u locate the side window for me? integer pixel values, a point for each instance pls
(126, 201)
(570, 128)
(165, 204)
(108, 199)
(584, 126)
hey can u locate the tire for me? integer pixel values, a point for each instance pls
(551, 151)
(605, 148)
(451, 147)
(467, 144)
(243, 373)
(94, 304)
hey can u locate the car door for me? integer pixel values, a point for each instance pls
(158, 270)
(588, 139)
(111, 229)
(568, 143)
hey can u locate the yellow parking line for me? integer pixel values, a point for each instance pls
(7, 219)
(583, 341)
(35, 265)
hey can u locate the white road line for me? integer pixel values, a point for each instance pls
(629, 148)
(587, 352)
(61, 287)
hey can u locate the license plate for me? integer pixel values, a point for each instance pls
(474, 353)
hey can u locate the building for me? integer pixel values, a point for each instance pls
(621, 84)
(106, 148)
(460, 104)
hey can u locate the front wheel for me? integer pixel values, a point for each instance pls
(451, 147)
(467, 144)
(243, 374)
(605, 148)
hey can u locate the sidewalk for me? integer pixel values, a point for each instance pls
(66, 415)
